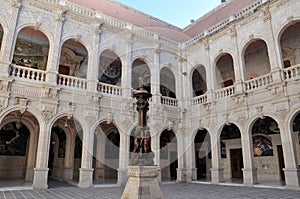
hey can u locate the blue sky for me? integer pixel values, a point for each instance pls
(175, 12)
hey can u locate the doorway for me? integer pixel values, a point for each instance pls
(201, 165)
(236, 158)
(281, 163)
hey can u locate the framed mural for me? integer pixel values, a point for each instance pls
(262, 146)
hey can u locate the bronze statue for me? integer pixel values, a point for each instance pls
(142, 153)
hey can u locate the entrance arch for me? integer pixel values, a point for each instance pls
(106, 153)
(267, 150)
(231, 153)
(202, 154)
(18, 147)
(168, 156)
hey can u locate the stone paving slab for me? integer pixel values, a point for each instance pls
(171, 191)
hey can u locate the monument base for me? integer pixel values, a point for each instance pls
(142, 183)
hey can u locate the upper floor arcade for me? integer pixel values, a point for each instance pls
(103, 60)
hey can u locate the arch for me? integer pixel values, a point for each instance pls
(168, 155)
(290, 51)
(256, 50)
(110, 68)
(31, 48)
(141, 74)
(74, 57)
(198, 80)
(202, 154)
(167, 82)
(224, 70)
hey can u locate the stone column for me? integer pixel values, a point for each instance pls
(237, 63)
(291, 170)
(181, 154)
(217, 174)
(155, 145)
(249, 172)
(155, 77)
(31, 156)
(86, 170)
(55, 49)
(210, 74)
(123, 158)
(41, 169)
(69, 156)
(93, 62)
(100, 158)
(127, 68)
(273, 52)
(182, 83)
(7, 48)
(190, 159)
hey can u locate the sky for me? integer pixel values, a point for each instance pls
(175, 12)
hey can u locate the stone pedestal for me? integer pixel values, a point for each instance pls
(181, 175)
(250, 177)
(217, 175)
(142, 183)
(292, 177)
(85, 177)
(122, 177)
(40, 178)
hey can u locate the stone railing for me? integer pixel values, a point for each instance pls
(169, 101)
(225, 92)
(70, 81)
(199, 100)
(23, 72)
(258, 82)
(109, 89)
(291, 73)
(79, 9)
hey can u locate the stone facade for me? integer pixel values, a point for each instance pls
(252, 71)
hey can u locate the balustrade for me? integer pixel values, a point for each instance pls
(258, 82)
(109, 89)
(199, 100)
(70, 81)
(23, 72)
(169, 101)
(225, 92)
(291, 72)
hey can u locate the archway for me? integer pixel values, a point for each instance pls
(224, 71)
(296, 133)
(256, 59)
(141, 75)
(31, 49)
(110, 68)
(1, 35)
(267, 150)
(199, 81)
(167, 83)
(73, 59)
(203, 155)
(18, 146)
(106, 153)
(289, 42)
(168, 155)
(231, 153)
(65, 149)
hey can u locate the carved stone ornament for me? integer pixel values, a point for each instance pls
(90, 118)
(267, 14)
(110, 117)
(16, 3)
(71, 110)
(23, 104)
(259, 111)
(48, 113)
(170, 125)
(61, 15)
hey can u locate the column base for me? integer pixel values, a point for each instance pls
(29, 174)
(122, 177)
(40, 179)
(182, 175)
(142, 183)
(68, 174)
(292, 178)
(85, 177)
(250, 177)
(217, 175)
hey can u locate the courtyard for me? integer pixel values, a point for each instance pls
(62, 190)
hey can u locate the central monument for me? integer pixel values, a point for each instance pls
(142, 173)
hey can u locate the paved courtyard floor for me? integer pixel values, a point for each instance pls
(61, 190)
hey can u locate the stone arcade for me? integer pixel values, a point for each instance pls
(225, 103)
